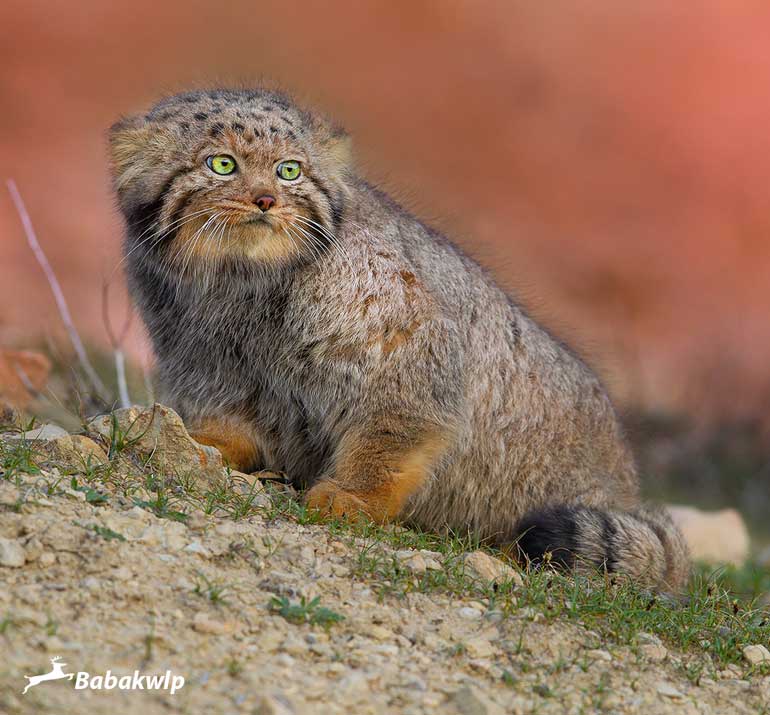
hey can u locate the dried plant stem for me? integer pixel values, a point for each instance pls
(58, 295)
(120, 370)
(116, 341)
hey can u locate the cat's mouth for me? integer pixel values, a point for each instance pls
(259, 220)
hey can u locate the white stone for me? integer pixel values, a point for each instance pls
(44, 433)
(468, 613)
(202, 623)
(412, 560)
(667, 690)
(479, 647)
(471, 701)
(11, 553)
(599, 654)
(654, 652)
(713, 536)
(480, 565)
(756, 654)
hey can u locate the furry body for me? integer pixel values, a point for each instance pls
(384, 371)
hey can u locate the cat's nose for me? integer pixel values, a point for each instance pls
(265, 202)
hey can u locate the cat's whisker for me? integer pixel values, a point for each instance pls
(332, 239)
(326, 232)
(298, 239)
(192, 245)
(176, 224)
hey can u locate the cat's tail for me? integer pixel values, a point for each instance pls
(644, 545)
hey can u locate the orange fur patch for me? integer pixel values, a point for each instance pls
(388, 492)
(231, 438)
(257, 242)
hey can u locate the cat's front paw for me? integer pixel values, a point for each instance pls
(330, 500)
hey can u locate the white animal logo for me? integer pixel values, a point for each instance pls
(57, 673)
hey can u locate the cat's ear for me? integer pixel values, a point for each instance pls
(141, 153)
(336, 142)
(129, 140)
(340, 147)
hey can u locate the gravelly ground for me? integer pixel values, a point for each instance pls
(193, 598)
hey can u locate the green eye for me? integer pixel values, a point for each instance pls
(222, 164)
(289, 170)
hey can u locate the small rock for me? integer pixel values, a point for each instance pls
(715, 536)
(412, 560)
(195, 547)
(122, 574)
(273, 705)
(47, 558)
(471, 701)
(481, 565)
(202, 623)
(9, 494)
(468, 613)
(33, 549)
(599, 654)
(756, 654)
(45, 432)
(158, 434)
(74, 494)
(654, 652)
(11, 553)
(379, 633)
(667, 690)
(479, 647)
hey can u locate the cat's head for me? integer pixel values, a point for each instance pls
(228, 173)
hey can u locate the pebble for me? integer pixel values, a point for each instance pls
(469, 700)
(46, 559)
(653, 652)
(11, 553)
(599, 654)
(195, 547)
(270, 705)
(667, 690)
(379, 633)
(204, 624)
(479, 647)
(480, 565)
(756, 654)
(43, 433)
(469, 613)
(9, 494)
(33, 549)
(413, 560)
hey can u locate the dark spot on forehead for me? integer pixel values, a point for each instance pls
(185, 125)
(200, 116)
(164, 116)
(292, 135)
(281, 102)
(267, 107)
(237, 127)
(257, 133)
(256, 115)
(273, 130)
(191, 99)
(216, 129)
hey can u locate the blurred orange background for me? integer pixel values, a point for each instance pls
(609, 162)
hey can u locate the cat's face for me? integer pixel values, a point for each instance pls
(209, 175)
